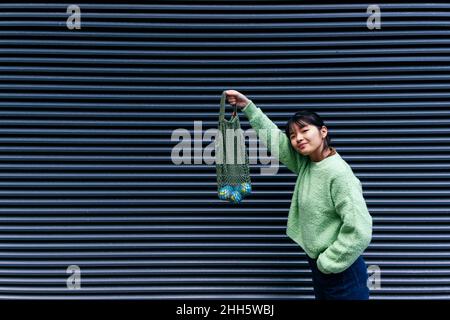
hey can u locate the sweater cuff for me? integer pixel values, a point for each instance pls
(320, 266)
(250, 110)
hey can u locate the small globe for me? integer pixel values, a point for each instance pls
(244, 189)
(225, 192)
(235, 197)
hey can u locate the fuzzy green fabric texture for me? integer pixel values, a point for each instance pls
(328, 216)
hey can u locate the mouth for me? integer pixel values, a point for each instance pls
(301, 146)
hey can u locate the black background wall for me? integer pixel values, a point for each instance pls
(86, 118)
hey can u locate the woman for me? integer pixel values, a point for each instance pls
(328, 216)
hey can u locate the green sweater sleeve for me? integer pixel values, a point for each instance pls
(356, 230)
(274, 139)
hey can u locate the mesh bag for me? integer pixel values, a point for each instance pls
(233, 174)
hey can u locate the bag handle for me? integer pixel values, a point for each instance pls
(222, 108)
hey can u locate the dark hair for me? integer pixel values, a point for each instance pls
(303, 118)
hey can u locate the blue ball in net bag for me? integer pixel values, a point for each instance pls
(244, 189)
(225, 192)
(235, 197)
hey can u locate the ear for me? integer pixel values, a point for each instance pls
(324, 131)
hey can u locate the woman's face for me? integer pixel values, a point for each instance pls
(308, 139)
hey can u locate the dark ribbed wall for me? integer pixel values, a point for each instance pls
(86, 118)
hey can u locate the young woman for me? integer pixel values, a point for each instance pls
(328, 216)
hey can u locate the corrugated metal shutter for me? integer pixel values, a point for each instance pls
(86, 121)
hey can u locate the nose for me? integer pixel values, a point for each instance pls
(299, 138)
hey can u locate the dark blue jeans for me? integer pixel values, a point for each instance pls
(350, 284)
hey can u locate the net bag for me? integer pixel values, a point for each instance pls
(233, 174)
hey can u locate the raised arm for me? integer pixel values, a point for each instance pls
(274, 139)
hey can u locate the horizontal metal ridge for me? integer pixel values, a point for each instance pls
(244, 35)
(225, 62)
(212, 44)
(211, 70)
(205, 218)
(215, 7)
(312, 88)
(237, 15)
(133, 96)
(192, 80)
(232, 25)
(170, 236)
(231, 54)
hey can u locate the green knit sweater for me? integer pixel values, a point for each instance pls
(328, 216)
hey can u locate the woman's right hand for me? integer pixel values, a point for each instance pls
(235, 97)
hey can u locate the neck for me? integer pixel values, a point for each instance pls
(317, 156)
